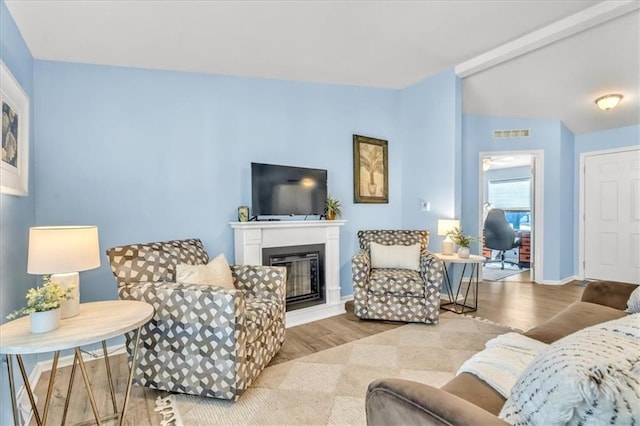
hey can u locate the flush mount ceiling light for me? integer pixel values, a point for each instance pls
(608, 102)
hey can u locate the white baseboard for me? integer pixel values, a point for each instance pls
(559, 282)
(314, 313)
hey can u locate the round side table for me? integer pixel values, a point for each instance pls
(473, 261)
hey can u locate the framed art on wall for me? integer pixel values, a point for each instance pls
(14, 164)
(370, 170)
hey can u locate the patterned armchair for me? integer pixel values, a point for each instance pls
(396, 294)
(203, 339)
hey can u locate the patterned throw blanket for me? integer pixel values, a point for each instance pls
(503, 360)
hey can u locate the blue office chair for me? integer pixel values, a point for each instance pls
(499, 235)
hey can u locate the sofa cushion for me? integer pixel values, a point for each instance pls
(395, 256)
(633, 304)
(401, 282)
(575, 317)
(587, 378)
(260, 313)
(470, 388)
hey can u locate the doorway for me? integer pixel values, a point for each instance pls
(510, 185)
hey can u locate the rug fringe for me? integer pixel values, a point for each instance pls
(168, 410)
(470, 315)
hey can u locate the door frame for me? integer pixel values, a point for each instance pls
(581, 206)
(537, 233)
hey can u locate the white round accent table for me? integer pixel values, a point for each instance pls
(97, 322)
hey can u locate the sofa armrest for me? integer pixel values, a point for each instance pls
(263, 281)
(397, 401)
(361, 268)
(432, 271)
(608, 293)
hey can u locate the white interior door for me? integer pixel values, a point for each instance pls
(612, 216)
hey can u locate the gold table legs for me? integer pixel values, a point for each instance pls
(77, 361)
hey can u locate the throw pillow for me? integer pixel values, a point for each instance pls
(216, 272)
(587, 378)
(395, 256)
(633, 304)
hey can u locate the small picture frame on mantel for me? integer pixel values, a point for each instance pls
(370, 170)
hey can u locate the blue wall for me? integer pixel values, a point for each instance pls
(546, 135)
(430, 126)
(17, 214)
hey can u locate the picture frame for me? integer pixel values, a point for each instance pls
(14, 161)
(370, 170)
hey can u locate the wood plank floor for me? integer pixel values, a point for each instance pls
(513, 301)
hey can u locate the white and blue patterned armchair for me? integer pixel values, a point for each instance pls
(203, 339)
(396, 294)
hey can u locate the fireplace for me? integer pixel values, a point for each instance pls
(305, 273)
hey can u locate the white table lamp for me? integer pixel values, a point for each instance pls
(444, 226)
(63, 251)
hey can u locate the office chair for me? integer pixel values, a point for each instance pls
(499, 235)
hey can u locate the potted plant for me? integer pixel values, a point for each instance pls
(332, 209)
(43, 306)
(463, 241)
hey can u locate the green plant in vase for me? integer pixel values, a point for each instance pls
(333, 208)
(463, 241)
(43, 306)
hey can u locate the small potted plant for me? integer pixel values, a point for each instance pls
(43, 306)
(332, 209)
(463, 241)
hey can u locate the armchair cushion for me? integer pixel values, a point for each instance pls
(399, 282)
(395, 256)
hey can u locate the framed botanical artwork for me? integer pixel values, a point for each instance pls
(14, 164)
(370, 170)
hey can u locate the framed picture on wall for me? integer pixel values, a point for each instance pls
(14, 164)
(370, 170)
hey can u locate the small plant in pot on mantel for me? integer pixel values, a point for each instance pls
(43, 306)
(332, 209)
(463, 241)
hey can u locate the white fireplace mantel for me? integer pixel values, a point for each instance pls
(251, 237)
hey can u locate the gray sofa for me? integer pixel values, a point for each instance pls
(467, 400)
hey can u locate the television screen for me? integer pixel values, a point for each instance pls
(285, 190)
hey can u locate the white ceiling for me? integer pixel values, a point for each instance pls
(388, 44)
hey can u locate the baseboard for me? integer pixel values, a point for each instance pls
(314, 313)
(24, 407)
(559, 282)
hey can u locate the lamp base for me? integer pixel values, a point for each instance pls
(70, 308)
(447, 247)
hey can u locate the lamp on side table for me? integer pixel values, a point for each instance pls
(63, 251)
(444, 227)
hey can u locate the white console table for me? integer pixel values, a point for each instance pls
(251, 237)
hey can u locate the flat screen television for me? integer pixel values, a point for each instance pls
(285, 190)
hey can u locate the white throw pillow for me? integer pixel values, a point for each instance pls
(216, 272)
(588, 378)
(633, 304)
(396, 256)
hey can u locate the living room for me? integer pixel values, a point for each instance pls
(159, 154)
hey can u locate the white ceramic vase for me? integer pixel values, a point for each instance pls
(463, 252)
(42, 322)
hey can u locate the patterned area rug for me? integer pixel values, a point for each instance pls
(328, 387)
(492, 271)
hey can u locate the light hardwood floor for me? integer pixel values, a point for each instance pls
(513, 301)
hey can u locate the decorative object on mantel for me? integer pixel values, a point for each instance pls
(14, 164)
(370, 170)
(64, 251)
(333, 208)
(463, 241)
(243, 214)
(43, 306)
(445, 226)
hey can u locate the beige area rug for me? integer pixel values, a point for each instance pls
(329, 387)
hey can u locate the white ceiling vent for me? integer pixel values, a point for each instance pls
(517, 133)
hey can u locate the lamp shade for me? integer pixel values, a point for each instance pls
(62, 249)
(446, 225)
